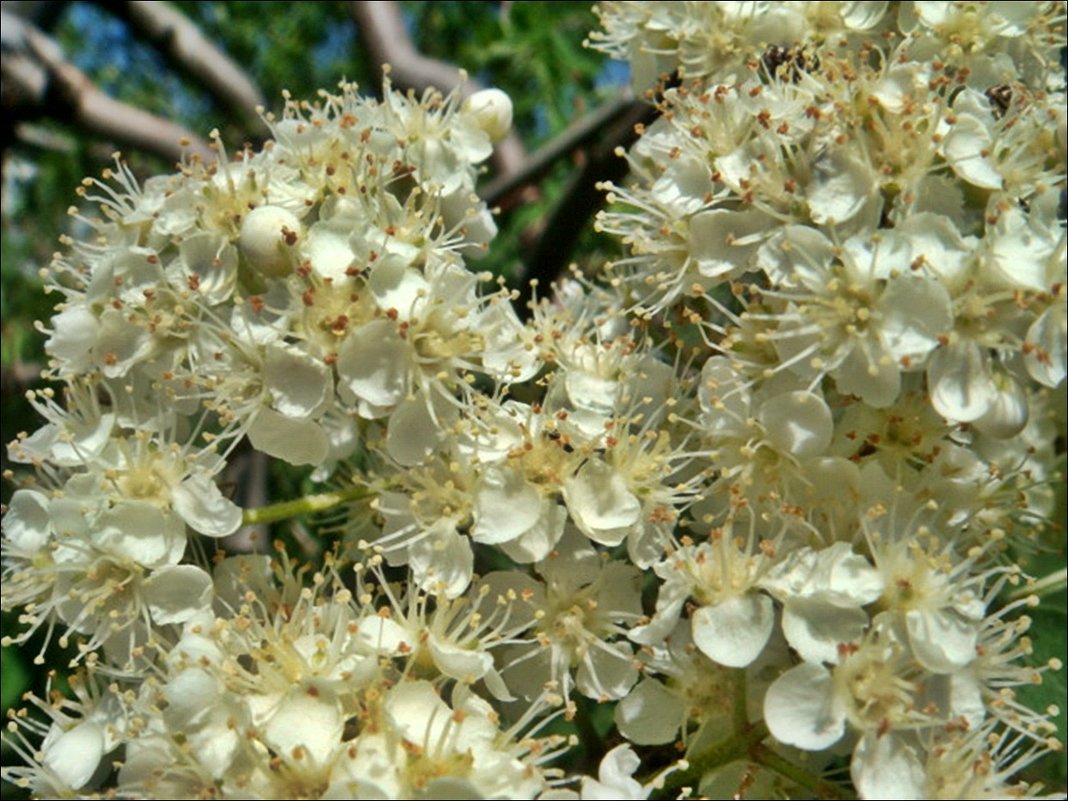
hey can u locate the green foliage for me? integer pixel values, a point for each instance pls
(1050, 635)
(531, 50)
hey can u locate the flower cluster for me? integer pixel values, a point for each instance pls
(759, 487)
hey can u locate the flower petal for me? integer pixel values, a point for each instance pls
(296, 441)
(735, 631)
(198, 501)
(176, 593)
(799, 708)
(884, 767)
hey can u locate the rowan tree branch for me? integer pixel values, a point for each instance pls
(181, 41)
(550, 255)
(39, 81)
(381, 29)
(576, 136)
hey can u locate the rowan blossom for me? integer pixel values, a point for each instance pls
(760, 481)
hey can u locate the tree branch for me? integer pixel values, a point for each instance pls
(179, 39)
(551, 253)
(381, 29)
(572, 138)
(39, 81)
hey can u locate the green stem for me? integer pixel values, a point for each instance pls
(1054, 582)
(722, 753)
(747, 743)
(819, 787)
(741, 712)
(302, 506)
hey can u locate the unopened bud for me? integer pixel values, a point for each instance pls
(268, 236)
(493, 111)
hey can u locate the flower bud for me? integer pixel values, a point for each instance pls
(493, 111)
(268, 235)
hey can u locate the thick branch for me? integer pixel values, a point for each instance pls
(179, 39)
(550, 255)
(42, 13)
(381, 28)
(572, 138)
(39, 81)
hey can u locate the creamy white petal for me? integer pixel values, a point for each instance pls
(724, 243)
(733, 632)
(941, 639)
(141, 532)
(198, 501)
(373, 363)
(295, 441)
(885, 767)
(914, 312)
(800, 708)
(459, 663)
(967, 147)
(190, 695)
(397, 286)
(537, 541)
(650, 714)
(1046, 351)
(299, 385)
(27, 522)
(870, 373)
(961, 384)
(841, 184)
(443, 561)
(606, 672)
(799, 423)
(413, 432)
(815, 628)
(74, 755)
(209, 265)
(176, 593)
(506, 506)
(311, 722)
(600, 502)
(74, 331)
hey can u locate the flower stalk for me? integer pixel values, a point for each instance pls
(305, 505)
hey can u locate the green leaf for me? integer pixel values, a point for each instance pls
(1049, 634)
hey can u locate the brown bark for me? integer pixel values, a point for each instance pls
(180, 40)
(39, 81)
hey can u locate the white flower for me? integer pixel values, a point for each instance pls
(579, 611)
(872, 690)
(856, 313)
(77, 736)
(731, 620)
(422, 745)
(614, 778)
(421, 525)
(600, 503)
(823, 595)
